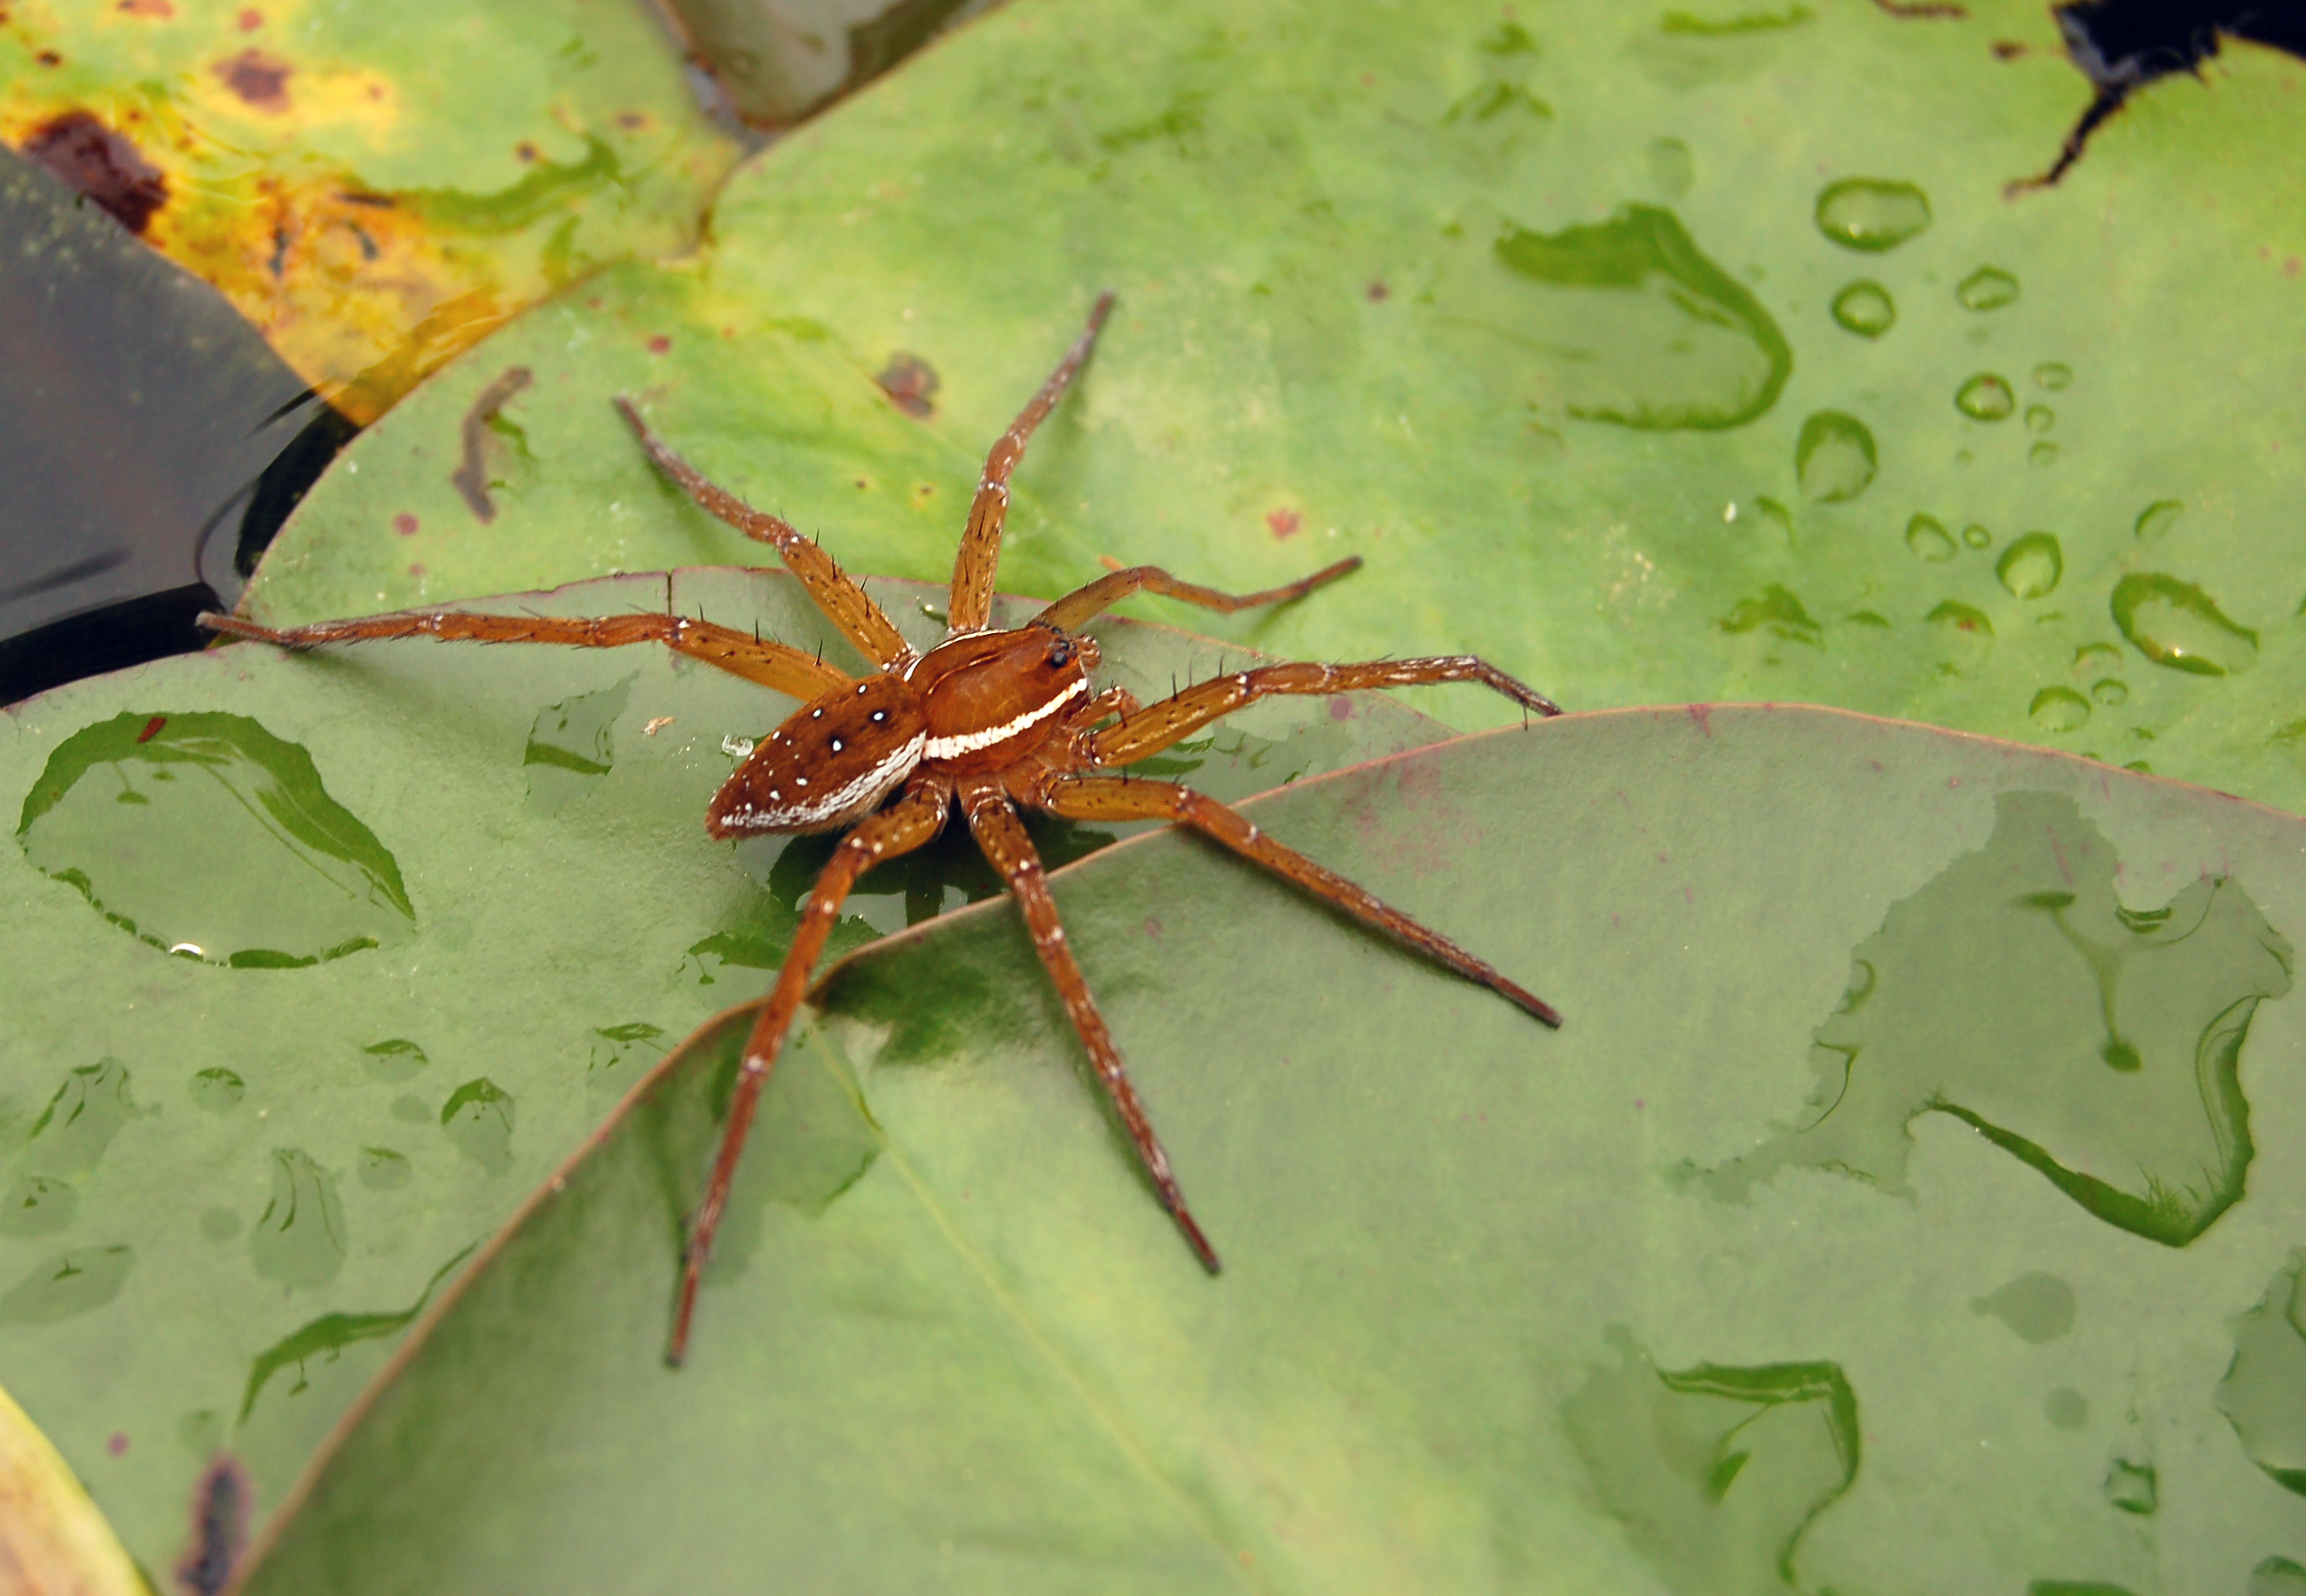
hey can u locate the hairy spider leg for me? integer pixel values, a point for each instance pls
(970, 606)
(1110, 799)
(1149, 730)
(905, 825)
(773, 665)
(846, 604)
(1082, 605)
(998, 833)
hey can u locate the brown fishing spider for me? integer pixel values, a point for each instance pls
(986, 720)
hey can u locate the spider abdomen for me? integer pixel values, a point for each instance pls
(832, 763)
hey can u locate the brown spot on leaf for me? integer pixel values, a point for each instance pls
(49, 58)
(471, 477)
(660, 345)
(631, 121)
(912, 382)
(525, 151)
(159, 11)
(1378, 291)
(251, 19)
(404, 524)
(1284, 522)
(101, 164)
(259, 78)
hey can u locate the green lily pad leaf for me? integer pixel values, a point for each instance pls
(1385, 278)
(954, 1341)
(228, 1185)
(373, 190)
(225, 791)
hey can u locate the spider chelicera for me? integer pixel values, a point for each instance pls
(984, 721)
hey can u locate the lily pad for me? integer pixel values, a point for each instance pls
(373, 188)
(1411, 277)
(1491, 1315)
(228, 1183)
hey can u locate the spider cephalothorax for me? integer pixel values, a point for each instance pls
(984, 721)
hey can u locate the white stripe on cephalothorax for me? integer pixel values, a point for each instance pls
(976, 742)
(894, 768)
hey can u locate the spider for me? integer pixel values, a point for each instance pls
(984, 721)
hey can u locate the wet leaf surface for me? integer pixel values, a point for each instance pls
(1483, 1324)
(228, 1183)
(1508, 307)
(374, 189)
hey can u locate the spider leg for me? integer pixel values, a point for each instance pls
(775, 665)
(1113, 701)
(847, 605)
(970, 607)
(1108, 798)
(1081, 605)
(1150, 731)
(913, 820)
(996, 826)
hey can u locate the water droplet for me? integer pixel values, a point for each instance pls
(2097, 656)
(2031, 565)
(1670, 166)
(1777, 609)
(1986, 397)
(66, 1285)
(2026, 934)
(2277, 1576)
(396, 1058)
(2110, 691)
(2264, 1390)
(2044, 453)
(2176, 624)
(478, 1117)
(2065, 1408)
(1626, 322)
(299, 1239)
(1871, 214)
(328, 1334)
(572, 745)
(247, 858)
(1976, 536)
(383, 1170)
(1961, 618)
(411, 1110)
(78, 1121)
(1748, 1451)
(1834, 458)
(2039, 1307)
(37, 1206)
(202, 1432)
(1927, 538)
(2157, 519)
(637, 1044)
(737, 747)
(2040, 418)
(1965, 636)
(2059, 709)
(1865, 308)
(1988, 288)
(2053, 375)
(218, 1091)
(2130, 1487)
(219, 1224)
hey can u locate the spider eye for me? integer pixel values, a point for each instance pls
(1061, 653)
